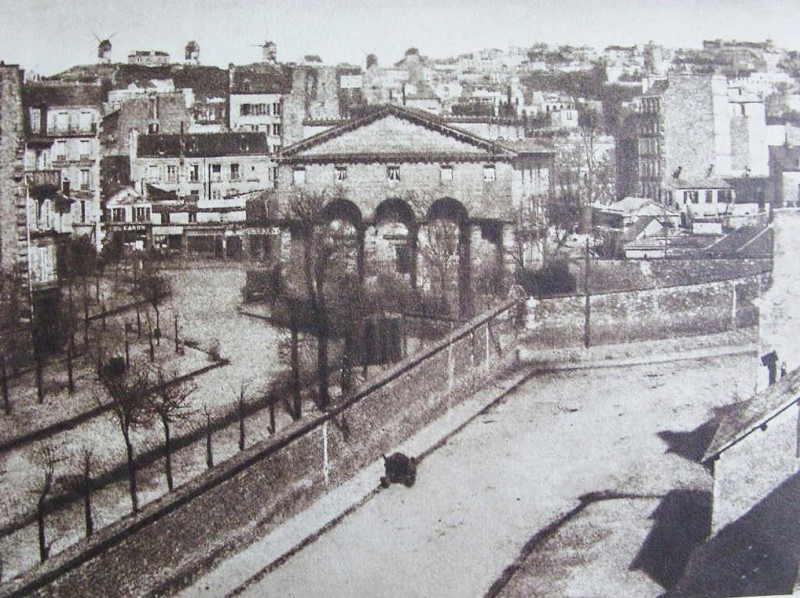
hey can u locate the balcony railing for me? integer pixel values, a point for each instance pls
(43, 179)
(72, 129)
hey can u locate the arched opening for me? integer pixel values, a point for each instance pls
(445, 255)
(394, 244)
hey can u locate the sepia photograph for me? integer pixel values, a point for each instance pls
(367, 299)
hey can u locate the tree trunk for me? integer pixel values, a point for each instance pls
(209, 452)
(87, 495)
(322, 364)
(44, 549)
(70, 355)
(131, 472)
(167, 453)
(39, 378)
(241, 421)
(4, 384)
(298, 401)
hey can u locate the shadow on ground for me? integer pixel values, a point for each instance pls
(692, 445)
(755, 555)
(682, 523)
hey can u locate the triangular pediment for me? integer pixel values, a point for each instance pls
(395, 132)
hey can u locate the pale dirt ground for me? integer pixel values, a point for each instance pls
(206, 301)
(512, 472)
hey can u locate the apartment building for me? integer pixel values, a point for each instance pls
(63, 146)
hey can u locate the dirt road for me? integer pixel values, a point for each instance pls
(631, 433)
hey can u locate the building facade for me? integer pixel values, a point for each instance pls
(412, 197)
(198, 185)
(693, 127)
(62, 126)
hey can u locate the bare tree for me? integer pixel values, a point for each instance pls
(46, 457)
(154, 288)
(131, 408)
(306, 211)
(170, 402)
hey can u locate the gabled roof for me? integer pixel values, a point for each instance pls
(417, 117)
(631, 205)
(749, 416)
(126, 196)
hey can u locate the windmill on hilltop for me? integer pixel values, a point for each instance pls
(103, 48)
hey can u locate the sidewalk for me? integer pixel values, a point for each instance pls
(257, 560)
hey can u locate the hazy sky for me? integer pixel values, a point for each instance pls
(46, 36)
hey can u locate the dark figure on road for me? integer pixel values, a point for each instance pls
(399, 468)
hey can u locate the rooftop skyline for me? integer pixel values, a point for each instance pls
(48, 36)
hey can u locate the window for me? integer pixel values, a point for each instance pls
(340, 173)
(194, 172)
(172, 173)
(216, 194)
(165, 218)
(85, 149)
(709, 196)
(36, 120)
(489, 173)
(62, 121)
(83, 212)
(276, 129)
(61, 150)
(299, 176)
(403, 259)
(393, 173)
(216, 173)
(244, 109)
(276, 109)
(118, 215)
(192, 217)
(273, 173)
(235, 172)
(84, 178)
(446, 173)
(142, 214)
(152, 172)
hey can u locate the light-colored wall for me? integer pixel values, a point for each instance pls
(749, 470)
(367, 185)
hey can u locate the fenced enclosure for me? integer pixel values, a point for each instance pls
(261, 486)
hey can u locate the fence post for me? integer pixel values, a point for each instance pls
(325, 463)
(587, 318)
(451, 368)
(486, 346)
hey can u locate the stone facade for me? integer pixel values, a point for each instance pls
(415, 198)
(692, 126)
(13, 245)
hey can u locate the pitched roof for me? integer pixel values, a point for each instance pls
(261, 78)
(418, 117)
(126, 196)
(697, 183)
(746, 241)
(750, 415)
(202, 145)
(60, 94)
(786, 158)
(656, 89)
